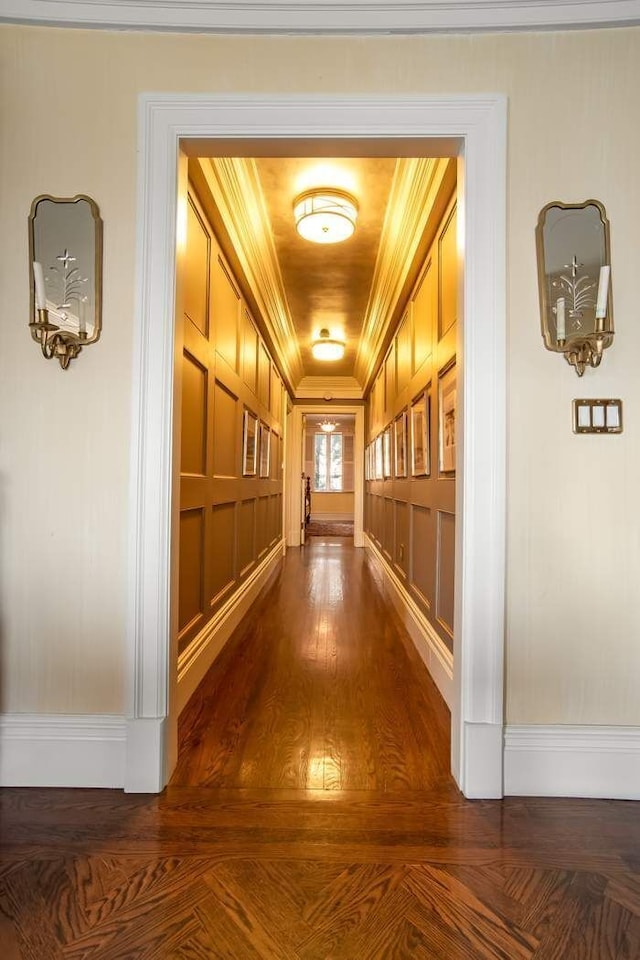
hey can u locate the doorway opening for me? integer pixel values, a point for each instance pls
(473, 129)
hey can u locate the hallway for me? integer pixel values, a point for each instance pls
(321, 690)
(312, 816)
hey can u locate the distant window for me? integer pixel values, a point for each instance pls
(327, 462)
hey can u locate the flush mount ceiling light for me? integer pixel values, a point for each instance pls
(327, 347)
(325, 215)
(328, 426)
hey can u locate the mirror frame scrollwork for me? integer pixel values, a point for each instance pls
(55, 341)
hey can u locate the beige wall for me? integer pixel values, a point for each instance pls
(68, 112)
(337, 503)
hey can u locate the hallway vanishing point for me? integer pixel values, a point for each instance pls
(312, 815)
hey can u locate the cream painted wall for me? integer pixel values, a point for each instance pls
(338, 503)
(68, 112)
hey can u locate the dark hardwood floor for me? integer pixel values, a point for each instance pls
(312, 815)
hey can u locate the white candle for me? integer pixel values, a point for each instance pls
(38, 276)
(603, 292)
(560, 322)
(82, 319)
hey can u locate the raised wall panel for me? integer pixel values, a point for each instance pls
(401, 539)
(262, 526)
(264, 375)
(276, 396)
(445, 578)
(194, 416)
(246, 536)
(387, 542)
(249, 352)
(226, 423)
(196, 273)
(424, 305)
(389, 383)
(403, 354)
(191, 585)
(422, 570)
(226, 310)
(223, 547)
(448, 260)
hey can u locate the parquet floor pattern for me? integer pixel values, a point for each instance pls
(312, 816)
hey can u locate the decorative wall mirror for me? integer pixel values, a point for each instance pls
(65, 257)
(574, 264)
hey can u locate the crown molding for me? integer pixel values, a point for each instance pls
(325, 16)
(235, 189)
(412, 202)
(328, 388)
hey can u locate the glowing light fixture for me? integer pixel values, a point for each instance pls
(327, 347)
(328, 426)
(325, 215)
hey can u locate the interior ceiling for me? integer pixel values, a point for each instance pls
(327, 285)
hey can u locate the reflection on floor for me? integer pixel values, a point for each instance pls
(312, 816)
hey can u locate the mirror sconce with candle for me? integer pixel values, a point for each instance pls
(574, 278)
(65, 257)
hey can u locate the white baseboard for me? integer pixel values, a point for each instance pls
(434, 654)
(54, 750)
(572, 761)
(196, 660)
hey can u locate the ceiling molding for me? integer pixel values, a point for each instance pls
(328, 388)
(412, 202)
(235, 189)
(325, 16)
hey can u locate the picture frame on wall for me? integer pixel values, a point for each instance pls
(400, 431)
(447, 415)
(379, 467)
(265, 450)
(249, 444)
(421, 436)
(386, 452)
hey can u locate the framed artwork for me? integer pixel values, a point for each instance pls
(386, 452)
(400, 430)
(249, 444)
(379, 471)
(265, 449)
(421, 436)
(447, 420)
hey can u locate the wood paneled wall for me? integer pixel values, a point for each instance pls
(410, 486)
(228, 521)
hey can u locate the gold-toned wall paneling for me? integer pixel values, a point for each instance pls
(227, 369)
(222, 551)
(226, 312)
(194, 423)
(425, 306)
(196, 278)
(446, 564)
(246, 536)
(226, 428)
(249, 352)
(402, 507)
(191, 603)
(423, 553)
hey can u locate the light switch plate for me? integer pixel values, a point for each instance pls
(597, 416)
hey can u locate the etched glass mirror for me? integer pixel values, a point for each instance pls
(65, 247)
(574, 264)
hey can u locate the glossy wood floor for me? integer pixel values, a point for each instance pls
(312, 816)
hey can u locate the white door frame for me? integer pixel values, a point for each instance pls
(476, 125)
(295, 467)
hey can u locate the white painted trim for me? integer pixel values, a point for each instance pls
(194, 662)
(433, 652)
(324, 16)
(572, 761)
(44, 750)
(479, 123)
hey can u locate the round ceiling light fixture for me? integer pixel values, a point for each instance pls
(327, 347)
(325, 215)
(328, 426)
